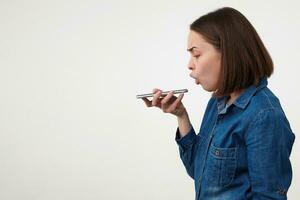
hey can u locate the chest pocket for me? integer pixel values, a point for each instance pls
(220, 166)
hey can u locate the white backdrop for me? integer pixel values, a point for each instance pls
(70, 125)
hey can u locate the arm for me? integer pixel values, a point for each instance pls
(269, 142)
(184, 124)
(186, 139)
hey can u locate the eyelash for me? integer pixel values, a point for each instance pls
(196, 56)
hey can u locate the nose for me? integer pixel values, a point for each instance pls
(191, 64)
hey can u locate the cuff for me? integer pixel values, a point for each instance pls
(187, 140)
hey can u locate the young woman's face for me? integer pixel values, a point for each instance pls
(205, 62)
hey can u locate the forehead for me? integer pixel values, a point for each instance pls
(197, 40)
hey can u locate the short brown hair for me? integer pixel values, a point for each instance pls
(244, 58)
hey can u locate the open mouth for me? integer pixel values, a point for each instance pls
(196, 80)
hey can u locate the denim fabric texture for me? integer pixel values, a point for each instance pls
(242, 150)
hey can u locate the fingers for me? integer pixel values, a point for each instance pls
(168, 104)
(147, 102)
(155, 90)
(167, 98)
(174, 105)
(155, 100)
(165, 102)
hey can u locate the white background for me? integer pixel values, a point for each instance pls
(70, 124)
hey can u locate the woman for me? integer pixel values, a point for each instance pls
(242, 149)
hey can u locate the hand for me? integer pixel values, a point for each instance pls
(168, 104)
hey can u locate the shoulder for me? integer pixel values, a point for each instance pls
(268, 125)
(267, 111)
(264, 99)
(263, 108)
(264, 104)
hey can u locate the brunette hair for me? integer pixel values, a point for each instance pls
(244, 58)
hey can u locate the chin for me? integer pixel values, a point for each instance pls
(208, 89)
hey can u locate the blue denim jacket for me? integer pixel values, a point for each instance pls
(242, 150)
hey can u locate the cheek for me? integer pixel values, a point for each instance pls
(208, 72)
(212, 66)
(205, 68)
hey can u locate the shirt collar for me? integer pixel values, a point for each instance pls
(243, 100)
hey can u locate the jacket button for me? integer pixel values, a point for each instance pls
(217, 153)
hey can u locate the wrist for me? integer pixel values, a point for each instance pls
(182, 114)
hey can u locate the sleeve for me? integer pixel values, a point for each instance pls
(187, 149)
(269, 142)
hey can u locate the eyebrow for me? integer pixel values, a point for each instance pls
(192, 48)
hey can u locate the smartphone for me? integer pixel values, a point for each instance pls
(163, 93)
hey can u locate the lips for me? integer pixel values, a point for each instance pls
(196, 80)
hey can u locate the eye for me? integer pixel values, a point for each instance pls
(196, 56)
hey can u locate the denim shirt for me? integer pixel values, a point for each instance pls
(242, 150)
